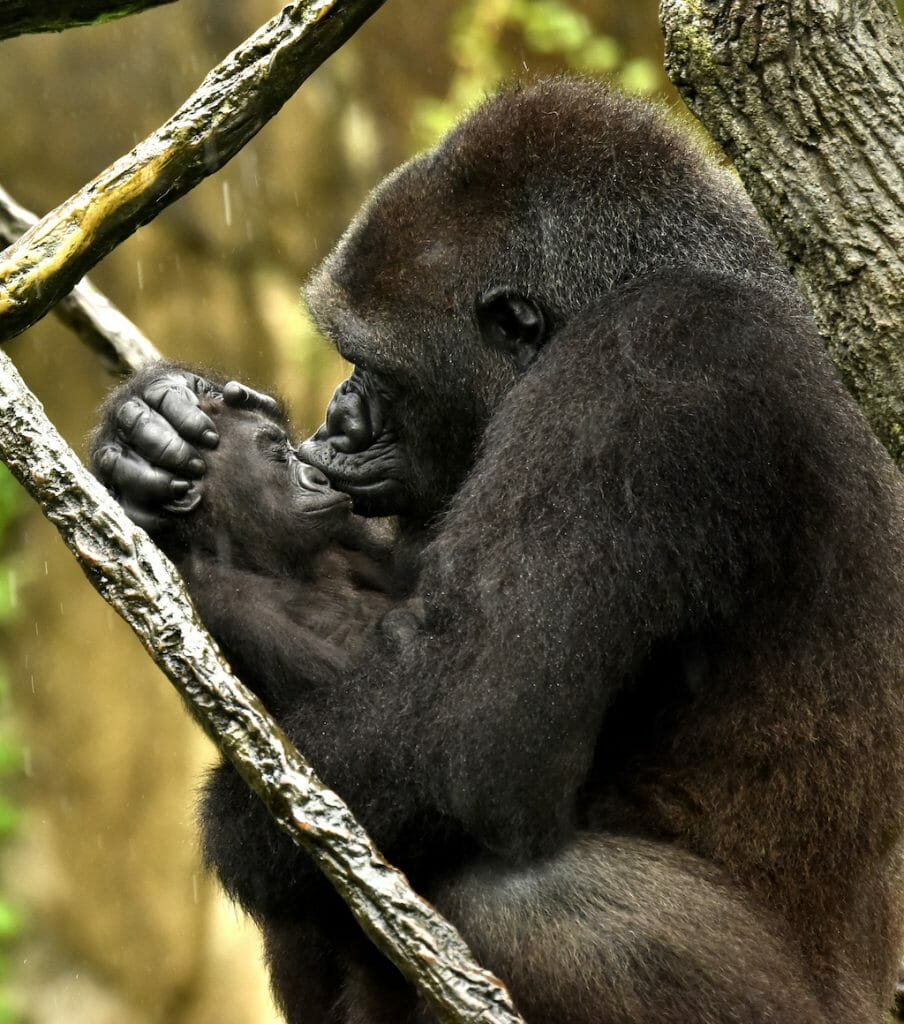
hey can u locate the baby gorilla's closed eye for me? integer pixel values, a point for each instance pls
(304, 490)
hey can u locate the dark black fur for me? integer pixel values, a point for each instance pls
(639, 732)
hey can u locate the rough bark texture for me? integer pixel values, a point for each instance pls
(20, 16)
(120, 344)
(232, 104)
(807, 98)
(131, 573)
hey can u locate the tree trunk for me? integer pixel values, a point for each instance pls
(807, 98)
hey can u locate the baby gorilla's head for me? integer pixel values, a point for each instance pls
(259, 500)
(252, 441)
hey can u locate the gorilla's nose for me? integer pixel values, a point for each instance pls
(347, 426)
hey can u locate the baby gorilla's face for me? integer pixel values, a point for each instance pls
(274, 497)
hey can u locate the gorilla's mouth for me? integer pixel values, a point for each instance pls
(364, 476)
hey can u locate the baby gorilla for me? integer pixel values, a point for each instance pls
(270, 525)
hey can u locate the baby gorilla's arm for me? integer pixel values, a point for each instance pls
(284, 636)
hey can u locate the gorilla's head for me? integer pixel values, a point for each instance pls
(466, 262)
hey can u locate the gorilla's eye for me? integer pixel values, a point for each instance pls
(511, 323)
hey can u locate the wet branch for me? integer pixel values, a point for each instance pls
(232, 104)
(20, 16)
(131, 573)
(119, 343)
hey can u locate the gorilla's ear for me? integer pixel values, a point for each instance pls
(511, 323)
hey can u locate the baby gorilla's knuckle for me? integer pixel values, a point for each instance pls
(170, 388)
(105, 459)
(132, 413)
(172, 448)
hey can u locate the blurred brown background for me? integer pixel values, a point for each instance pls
(105, 914)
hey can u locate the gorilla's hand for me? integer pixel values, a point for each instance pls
(240, 396)
(146, 448)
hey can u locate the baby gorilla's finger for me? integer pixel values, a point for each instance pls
(240, 396)
(134, 480)
(175, 400)
(154, 438)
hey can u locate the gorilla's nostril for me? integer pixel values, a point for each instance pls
(347, 422)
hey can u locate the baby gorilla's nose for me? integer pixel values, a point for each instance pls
(311, 478)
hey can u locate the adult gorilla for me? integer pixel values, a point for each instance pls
(637, 727)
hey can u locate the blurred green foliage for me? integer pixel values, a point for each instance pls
(486, 34)
(10, 751)
(10, 496)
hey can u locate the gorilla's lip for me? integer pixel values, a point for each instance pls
(319, 507)
(383, 490)
(360, 482)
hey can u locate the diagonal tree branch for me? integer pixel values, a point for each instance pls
(232, 104)
(131, 573)
(120, 344)
(20, 16)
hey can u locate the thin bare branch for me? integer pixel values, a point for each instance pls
(131, 573)
(120, 344)
(232, 104)
(20, 16)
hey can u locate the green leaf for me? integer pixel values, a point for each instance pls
(10, 754)
(601, 54)
(639, 75)
(7, 1014)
